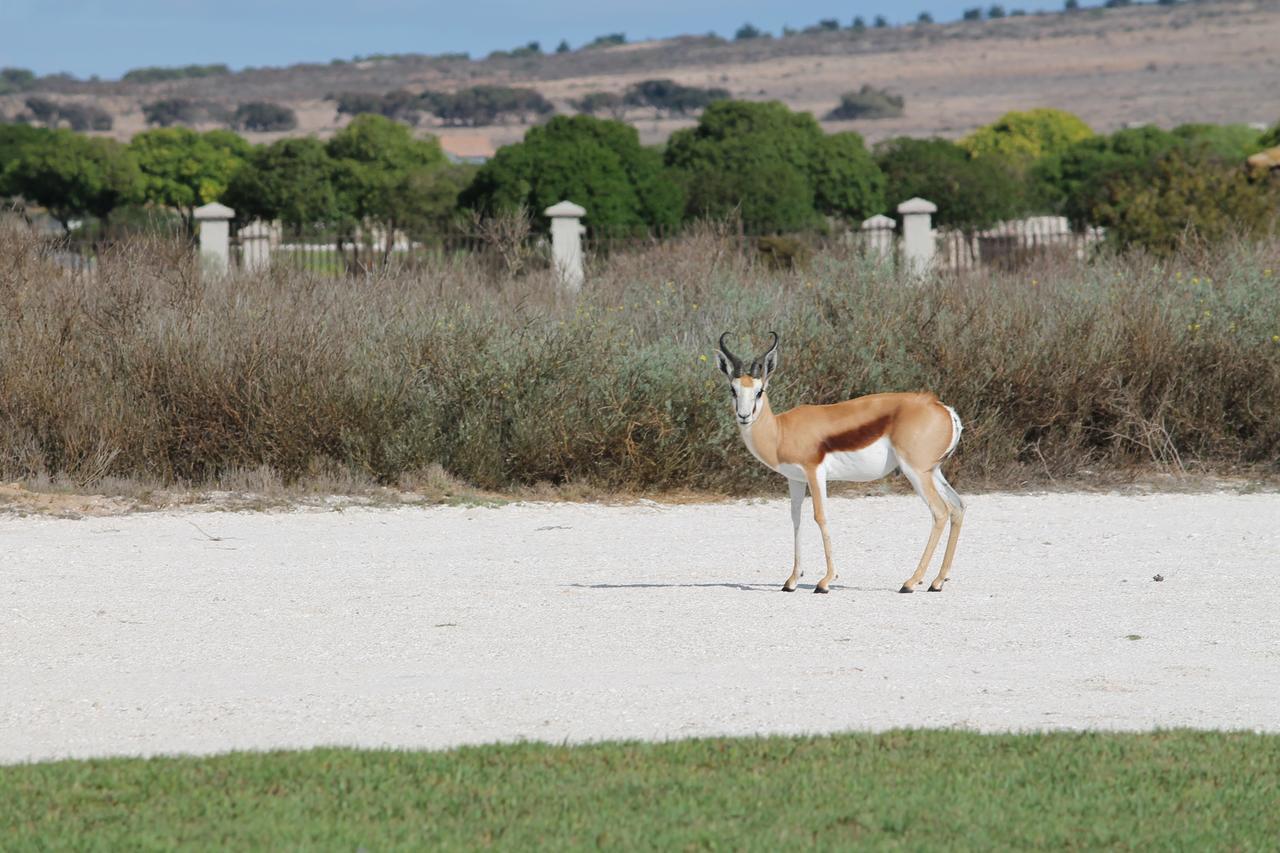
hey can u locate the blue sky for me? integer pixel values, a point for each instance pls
(108, 37)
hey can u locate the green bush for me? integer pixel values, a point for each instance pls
(596, 163)
(291, 180)
(1072, 182)
(595, 103)
(971, 194)
(263, 117)
(167, 112)
(1182, 194)
(1024, 137)
(670, 97)
(774, 168)
(183, 169)
(158, 74)
(481, 105)
(74, 175)
(867, 103)
(398, 105)
(1224, 141)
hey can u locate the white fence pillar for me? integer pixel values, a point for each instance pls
(917, 234)
(878, 236)
(255, 246)
(215, 236)
(566, 243)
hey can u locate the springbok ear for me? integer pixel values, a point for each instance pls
(771, 358)
(725, 364)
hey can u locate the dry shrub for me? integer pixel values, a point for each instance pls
(143, 370)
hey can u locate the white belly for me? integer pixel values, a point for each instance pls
(870, 463)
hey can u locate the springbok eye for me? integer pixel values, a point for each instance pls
(758, 393)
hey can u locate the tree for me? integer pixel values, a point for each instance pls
(291, 180)
(747, 31)
(971, 194)
(858, 24)
(881, 22)
(597, 163)
(595, 103)
(846, 180)
(973, 14)
(15, 79)
(1072, 182)
(17, 138)
(996, 11)
(377, 164)
(775, 167)
(563, 46)
(924, 18)
(263, 117)
(1157, 205)
(480, 105)
(170, 111)
(1071, 5)
(73, 175)
(867, 103)
(1224, 141)
(1024, 137)
(183, 169)
(670, 97)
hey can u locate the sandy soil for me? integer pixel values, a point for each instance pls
(204, 632)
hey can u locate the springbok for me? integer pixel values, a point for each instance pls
(861, 439)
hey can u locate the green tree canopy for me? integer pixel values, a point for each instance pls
(846, 180)
(183, 169)
(1024, 137)
(970, 193)
(377, 161)
(1072, 181)
(16, 138)
(74, 175)
(1225, 141)
(775, 166)
(290, 180)
(596, 163)
(1184, 191)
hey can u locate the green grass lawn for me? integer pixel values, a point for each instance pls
(911, 789)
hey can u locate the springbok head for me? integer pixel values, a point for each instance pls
(747, 386)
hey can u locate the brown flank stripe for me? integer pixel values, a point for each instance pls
(856, 438)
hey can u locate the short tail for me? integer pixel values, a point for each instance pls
(956, 429)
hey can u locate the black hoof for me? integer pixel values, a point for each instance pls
(788, 589)
(906, 588)
(820, 590)
(935, 589)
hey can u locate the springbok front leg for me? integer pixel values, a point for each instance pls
(926, 489)
(818, 492)
(797, 507)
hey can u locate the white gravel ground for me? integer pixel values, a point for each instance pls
(142, 634)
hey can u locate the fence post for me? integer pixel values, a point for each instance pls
(878, 236)
(255, 246)
(566, 243)
(917, 234)
(215, 236)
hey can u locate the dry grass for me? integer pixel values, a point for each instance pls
(454, 382)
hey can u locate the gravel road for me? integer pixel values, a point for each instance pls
(199, 632)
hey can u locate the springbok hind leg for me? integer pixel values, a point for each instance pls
(926, 489)
(956, 508)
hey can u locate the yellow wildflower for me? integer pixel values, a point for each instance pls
(702, 358)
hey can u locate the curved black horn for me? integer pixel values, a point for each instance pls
(757, 365)
(737, 362)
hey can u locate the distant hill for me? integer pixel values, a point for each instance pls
(1190, 62)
